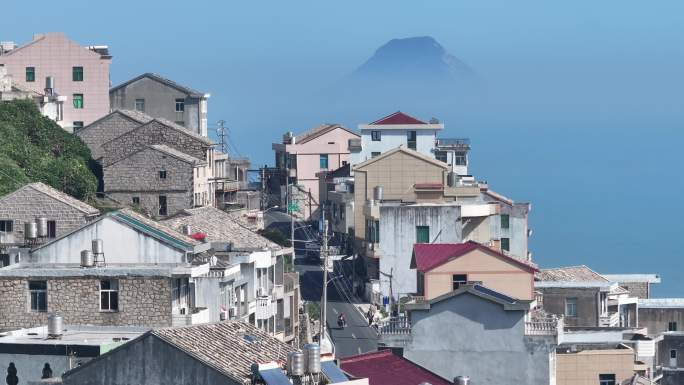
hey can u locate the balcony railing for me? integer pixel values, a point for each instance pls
(609, 320)
(395, 326)
(265, 308)
(453, 142)
(550, 326)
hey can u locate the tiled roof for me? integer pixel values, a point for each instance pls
(176, 154)
(428, 256)
(62, 197)
(229, 347)
(154, 226)
(570, 274)
(398, 118)
(404, 150)
(320, 130)
(220, 227)
(661, 303)
(136, 115)
(184, 130)
(385, 368)
(163, 80)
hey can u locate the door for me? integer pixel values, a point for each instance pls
(673, 358)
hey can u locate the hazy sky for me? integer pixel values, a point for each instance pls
(583, 114)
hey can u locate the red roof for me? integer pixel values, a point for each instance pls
(427, 256)
(384, 368)
(398, 118)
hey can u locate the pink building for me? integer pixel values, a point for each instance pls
(323, 148)
(81, 74)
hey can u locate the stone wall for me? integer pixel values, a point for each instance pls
(26, 204)
(154, 132)
(587, 304)
(637, 289)
(657, 320)
(142, 302)
(138, 176)
(104, 130)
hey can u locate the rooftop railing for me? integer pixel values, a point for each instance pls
(400, 325)
(549, 326)
(453, 142)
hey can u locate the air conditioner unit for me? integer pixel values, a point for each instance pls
(261, 292)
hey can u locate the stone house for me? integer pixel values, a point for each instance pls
(477, 332)
(38, 200)
(178, 152)
(303, 156)
(661, 315)
(162, 98)
(109, 127)
(638, 285)
(254, 286)
(159, 180)
(671, 358)
(585, 298)
(143, 277)
(78, 73)
(442, 268)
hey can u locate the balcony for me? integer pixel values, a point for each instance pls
(462, 144)
(265, 308)
(197, 316)
(609, 320)
(394, 332)
(549, 326)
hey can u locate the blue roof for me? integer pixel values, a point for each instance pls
(274, 377)
(494, 294)
(147, 229)
(333, 372)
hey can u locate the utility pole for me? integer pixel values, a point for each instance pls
(324, 300)
(221, 133)
(292, 226)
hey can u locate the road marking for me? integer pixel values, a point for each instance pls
(353, 336)
(335, 310)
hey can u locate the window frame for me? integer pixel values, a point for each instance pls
(673, 355)
(52, 229)
(135, 200)
(3, 225)
(505, 221)
(570, 301)
(672, 326)
(505, 243)
(607, 381)
(111, 292)
(376, 136)
(412, 143)
(164, 198)
(77, 125)
(37, 293)
(375, 154)
(75, 73)
(455, 284)
(419, 229)
(162, 174)
(139, 102)
(78, 101)
(32, 71)
(321, 159)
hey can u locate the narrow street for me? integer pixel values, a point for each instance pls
(358, 337)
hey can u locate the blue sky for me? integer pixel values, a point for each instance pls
(582, 117)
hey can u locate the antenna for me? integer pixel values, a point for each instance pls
(221, 133)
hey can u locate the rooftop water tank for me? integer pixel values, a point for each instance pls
(55, 326)
(97, 246)
(30, 230)
(312, 357)
(377, 193)
(295, 364)
(42, 226)
(462, 380)
(87, 258)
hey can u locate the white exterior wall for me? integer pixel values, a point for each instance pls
(391, 139)
(122, 244)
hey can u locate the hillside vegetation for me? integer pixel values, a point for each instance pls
(34, 148)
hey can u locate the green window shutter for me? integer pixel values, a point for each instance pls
(30, 74)
(78, 101)
(77, 74)
(422, 234)
(324, 161)
(505, 221)
(506, 244)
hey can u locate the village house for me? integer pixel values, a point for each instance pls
(638, 285)
(661, 315)
(50, 104)
(51, 63)
(585, 298)
(253, 286)
(47, 212)
(162, 98)
(122, 269)
(109, 127)
(298, 160)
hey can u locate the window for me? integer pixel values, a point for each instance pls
(422, 234)
(140, 105)
(136, 201)
(162, 205)
(180, 105)
(30, 74)
(458, 279)
(505, 221)
(78, 101)
(77, 125)
(506, 244)
(77, 74)
(671, 326)
(673, 353)
(7, 226)
(606, 379)
(372, 231)
(460, 160)
(109, 295)
(571, 307)
(162, 174)
(38, 295)
(52, 229)
(441, 156)
(324, 161)
(375, 153)
(375, 136)
(411, 140)
(344, 163)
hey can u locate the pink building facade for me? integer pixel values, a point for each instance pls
(324, 148)
(81, 74)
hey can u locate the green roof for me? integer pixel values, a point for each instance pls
(178, 243)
